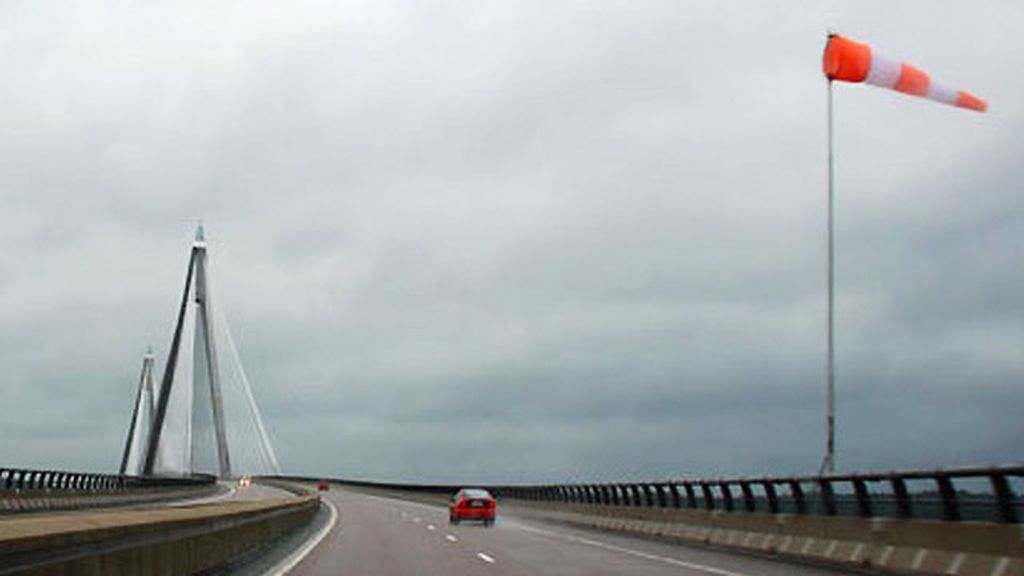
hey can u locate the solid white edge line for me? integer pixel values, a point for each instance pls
(286, 565)
(631, 552)
(485, 557)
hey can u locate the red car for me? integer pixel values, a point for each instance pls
(472, 504)
(323, 486)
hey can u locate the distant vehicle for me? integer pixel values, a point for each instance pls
(244, 482)
(323, 486)
(472, 504)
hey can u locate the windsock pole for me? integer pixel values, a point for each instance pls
(828, 465)
(847, 60)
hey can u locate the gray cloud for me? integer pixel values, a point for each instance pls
(515, 241)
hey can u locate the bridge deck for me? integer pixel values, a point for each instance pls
(378, 536)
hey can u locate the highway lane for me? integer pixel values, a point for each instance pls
(383, 536)
(231, 492)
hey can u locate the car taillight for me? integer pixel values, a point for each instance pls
(490, 503)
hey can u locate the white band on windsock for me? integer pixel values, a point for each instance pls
(884, 71)
(942, 93)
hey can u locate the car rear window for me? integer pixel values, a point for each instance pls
(473, 493)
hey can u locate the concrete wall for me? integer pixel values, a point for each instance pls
(162, 541)
(884, 545)
(22, 501)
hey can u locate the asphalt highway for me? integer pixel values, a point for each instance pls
(376, 536)
(233, 492)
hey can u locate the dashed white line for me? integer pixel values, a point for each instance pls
(485, 557)
(293, 560)
(431, 527)
(450, 538)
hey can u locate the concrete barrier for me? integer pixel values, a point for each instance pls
(888, 546)
(161, 541)
(43, 500)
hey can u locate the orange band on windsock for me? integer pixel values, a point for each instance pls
(850, 61)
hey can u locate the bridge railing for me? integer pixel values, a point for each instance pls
(19, 479)
(23, 490)
(990, 494)
(986, 494)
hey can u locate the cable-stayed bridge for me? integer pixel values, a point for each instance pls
(176, 505)
(202, 417)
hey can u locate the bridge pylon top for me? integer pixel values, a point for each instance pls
(200, 241)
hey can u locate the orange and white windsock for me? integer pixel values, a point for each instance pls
(850, 61)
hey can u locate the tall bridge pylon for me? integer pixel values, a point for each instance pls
(187, 424)
(142, 417)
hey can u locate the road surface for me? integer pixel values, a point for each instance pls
(376, 536)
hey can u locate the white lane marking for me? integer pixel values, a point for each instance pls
(485, 557)
(631, 552)
(286, 565)
(450, 538)
(431, 527)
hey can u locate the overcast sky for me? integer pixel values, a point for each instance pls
(517, 241)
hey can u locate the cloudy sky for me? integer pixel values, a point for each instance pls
(517, 241)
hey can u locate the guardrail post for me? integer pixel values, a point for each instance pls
(726, 495)
(673, 489)
(691, 497)
(950, 507)
(709, 497)
(903, 504)
(860, 490)
(1004, 498)
(748, 496)
(771, 496)
(828, 496)
(797, 493)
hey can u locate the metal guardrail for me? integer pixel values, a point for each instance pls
(18, 479)
(27, 491)
(960, 494)
(865, 495)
